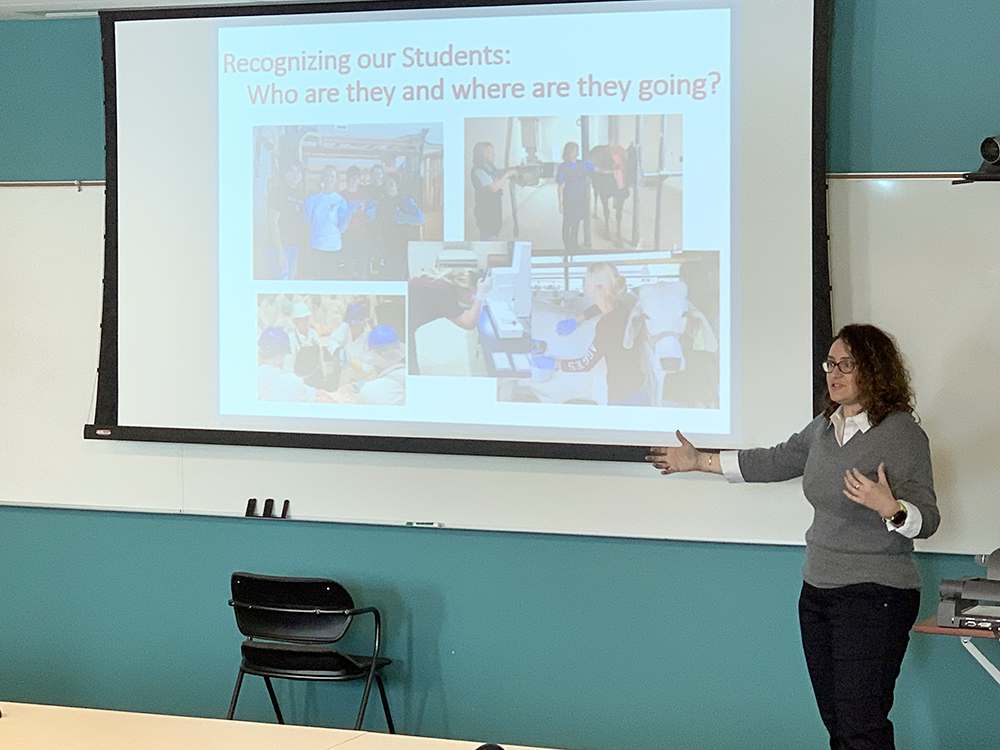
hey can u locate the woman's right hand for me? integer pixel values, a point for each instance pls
(672, 460)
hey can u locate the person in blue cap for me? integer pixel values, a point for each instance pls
(273, 382)
(349, 342)
(385, 358)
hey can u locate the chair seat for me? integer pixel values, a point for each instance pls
(305, 661)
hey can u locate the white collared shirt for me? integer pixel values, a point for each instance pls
(844, 428)
(847, 427)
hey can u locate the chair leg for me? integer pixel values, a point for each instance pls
(364, 696)
(364, 705)
(385, 704)
(236, 694)
(274, 700)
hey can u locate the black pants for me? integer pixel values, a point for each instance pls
(571, 234)
(854, 639)
(357, 259)
(325, 265)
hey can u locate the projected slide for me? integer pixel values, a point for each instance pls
(438, 226)
(567, 224)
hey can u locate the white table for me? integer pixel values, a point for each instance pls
(26, 726)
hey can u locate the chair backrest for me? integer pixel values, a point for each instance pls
(298, 610)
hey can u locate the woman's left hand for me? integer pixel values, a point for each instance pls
(874, 495)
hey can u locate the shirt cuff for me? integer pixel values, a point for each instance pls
(911, 526)
(729, 461)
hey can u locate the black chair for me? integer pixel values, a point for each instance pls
(290, 624)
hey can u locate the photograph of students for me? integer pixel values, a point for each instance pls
(324, 340)
(322, 208)
(579, 183)
(623, 334)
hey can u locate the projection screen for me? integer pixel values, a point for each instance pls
(559, 229)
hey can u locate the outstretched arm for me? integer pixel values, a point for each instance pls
(685, 457)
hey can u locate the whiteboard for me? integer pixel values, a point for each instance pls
(917, 256)
(51, 243)
(920, 257)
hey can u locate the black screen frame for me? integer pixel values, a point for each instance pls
(105, 425)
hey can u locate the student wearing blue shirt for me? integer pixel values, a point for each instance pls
(327, 214)
(573, 178)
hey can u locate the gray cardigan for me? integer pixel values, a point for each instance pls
(849, 543)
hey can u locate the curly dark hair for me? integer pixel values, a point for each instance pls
(882, 379)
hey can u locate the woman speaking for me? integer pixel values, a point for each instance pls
(866, 469)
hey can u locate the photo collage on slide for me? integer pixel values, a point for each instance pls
(340, 203)
(572, 283)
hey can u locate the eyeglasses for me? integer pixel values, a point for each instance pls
(845, 365)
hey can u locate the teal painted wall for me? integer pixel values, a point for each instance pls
(913, 85)
(554, 641)
(51, 100)
(914, 88)
(609, 644)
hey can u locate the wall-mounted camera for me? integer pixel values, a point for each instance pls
(989, 170)
(990, 149)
